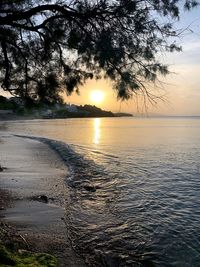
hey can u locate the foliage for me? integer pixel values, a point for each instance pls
(48, 46)
(5, 104)
(93, 111)
(8, 258)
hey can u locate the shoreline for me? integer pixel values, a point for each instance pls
(34, 175)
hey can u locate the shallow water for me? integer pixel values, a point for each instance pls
(134, 187)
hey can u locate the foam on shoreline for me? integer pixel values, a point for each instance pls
(33, 169)
(89, 211)
(77, 165)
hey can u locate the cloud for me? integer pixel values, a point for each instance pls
(192, 46)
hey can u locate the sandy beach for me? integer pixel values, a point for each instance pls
(34, 196)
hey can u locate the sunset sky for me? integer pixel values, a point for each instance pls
(181, 89)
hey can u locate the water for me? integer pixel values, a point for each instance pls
(134, 187)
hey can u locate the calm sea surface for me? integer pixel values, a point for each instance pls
(134, 187)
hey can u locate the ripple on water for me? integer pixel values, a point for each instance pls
(126, 213)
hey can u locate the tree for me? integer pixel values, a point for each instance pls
(52, 45)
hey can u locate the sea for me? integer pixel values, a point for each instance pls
(134, 187)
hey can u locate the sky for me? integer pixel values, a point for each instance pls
(180, 90)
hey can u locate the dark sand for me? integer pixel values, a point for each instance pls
(32, 169)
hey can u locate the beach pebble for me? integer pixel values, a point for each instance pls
(89, 187)
(44, 198)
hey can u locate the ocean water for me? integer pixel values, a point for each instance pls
(134, 187)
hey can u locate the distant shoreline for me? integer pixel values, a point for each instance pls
(14, 117)
(9, 117)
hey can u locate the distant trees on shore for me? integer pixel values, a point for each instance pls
(48, 46)
(17, 106)
(6, 104)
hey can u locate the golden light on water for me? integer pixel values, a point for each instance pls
(96, 96)
(97, 131)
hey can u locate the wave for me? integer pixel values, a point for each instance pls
(77, 164)
(95, 228)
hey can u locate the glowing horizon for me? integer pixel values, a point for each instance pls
(181, 89)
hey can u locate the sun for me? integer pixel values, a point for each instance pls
(97, 96)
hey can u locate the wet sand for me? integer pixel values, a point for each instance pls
(34, 177)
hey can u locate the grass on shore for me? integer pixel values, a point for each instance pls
(13, 250)
(25, 259)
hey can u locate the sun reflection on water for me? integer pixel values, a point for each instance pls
(97, 131)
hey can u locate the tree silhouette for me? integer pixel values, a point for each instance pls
(48, 46)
